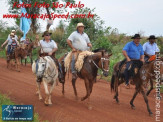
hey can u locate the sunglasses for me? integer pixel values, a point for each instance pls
(47, 35)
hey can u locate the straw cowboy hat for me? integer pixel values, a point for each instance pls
(152, 37)
(12, 34)
(80, 25)
(136, 36)
(46, 33)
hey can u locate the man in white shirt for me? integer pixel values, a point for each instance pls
(150, 47)
(48, 48)
(78, 41)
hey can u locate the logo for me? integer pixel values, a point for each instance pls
(17, 112)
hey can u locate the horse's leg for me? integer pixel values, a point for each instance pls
(87, 89)
(31, 59)
(116, 90)
(46, 92)
(21, 61)
(18, 64)
(146, 101)
(63, 88)
(38, 90)
(74, 87)
(151, 85)
(25, 61)
(50, 92)
(132, 100)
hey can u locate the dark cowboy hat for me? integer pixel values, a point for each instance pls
(152, 37)
(136, 36)
(46, 33)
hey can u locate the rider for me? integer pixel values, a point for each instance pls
(150, 47)
(48, 48)
(9, 41)
(14, 44)
(132, 50)
(78, 41)
(16, 37)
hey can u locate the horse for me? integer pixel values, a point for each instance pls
(149, 73)
(48, 72)
(16, 55)
(137, 80)
(30, 48)
(99, 60)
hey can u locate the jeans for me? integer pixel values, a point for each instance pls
(8, 49)
(73, 64)
(127, 72)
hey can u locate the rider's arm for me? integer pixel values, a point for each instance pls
(126, 56)
(4, 43)
(70, 45)
(142, 55)
(89, 45)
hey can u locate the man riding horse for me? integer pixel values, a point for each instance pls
(9, 42)
(132, 51)
(150, 48)
(48, 48)
(78, 41)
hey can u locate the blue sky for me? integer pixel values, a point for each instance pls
(128, 16)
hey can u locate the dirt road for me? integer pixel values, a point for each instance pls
(21, 88)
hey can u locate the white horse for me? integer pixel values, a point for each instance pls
(48, 73)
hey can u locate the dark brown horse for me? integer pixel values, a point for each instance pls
(16, 55)
(138, 81)
(99, 60)
(149, 73)
(30, 48)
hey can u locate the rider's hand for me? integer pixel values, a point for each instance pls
(73, 50)
(128, 59)
(50, 53)
(142, 60)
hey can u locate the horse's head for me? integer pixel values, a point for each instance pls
(104, 61)
(41, 67)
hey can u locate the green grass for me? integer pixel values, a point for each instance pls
(4, 100)
(161, 89)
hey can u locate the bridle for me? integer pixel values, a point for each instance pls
(47, 74)
(102, 63)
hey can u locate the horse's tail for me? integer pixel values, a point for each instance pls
(112, 82)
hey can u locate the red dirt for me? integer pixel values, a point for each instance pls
(21, 88)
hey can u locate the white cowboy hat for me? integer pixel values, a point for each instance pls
(13, 31)
(80, 25)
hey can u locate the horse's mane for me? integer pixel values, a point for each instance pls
(99, 50)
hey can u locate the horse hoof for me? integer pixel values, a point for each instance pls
(89, 107)
(151, 114)
(133, 107)
(40, 99)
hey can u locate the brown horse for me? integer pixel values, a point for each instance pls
(30, 48)
(99, 60)
(16, 55)
(149, 73)
(137, 80)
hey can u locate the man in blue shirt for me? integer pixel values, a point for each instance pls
(132, 51)
(150, 47)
